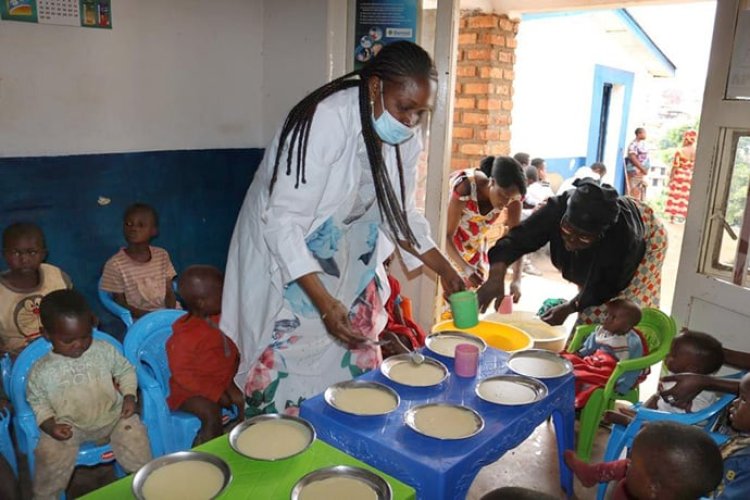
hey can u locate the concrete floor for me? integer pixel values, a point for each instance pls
(534, 463)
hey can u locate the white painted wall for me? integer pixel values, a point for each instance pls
(172, 74)
(554, 70)
(303, 47)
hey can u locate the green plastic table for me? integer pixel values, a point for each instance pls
(253, 479)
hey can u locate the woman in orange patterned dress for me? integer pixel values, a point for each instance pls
(680, 178)
(478, 197)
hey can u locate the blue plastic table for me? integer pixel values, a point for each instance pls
(445, 469)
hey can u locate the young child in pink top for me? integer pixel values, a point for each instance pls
(139, 276)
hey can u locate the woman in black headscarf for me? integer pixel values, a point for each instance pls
(610, 246)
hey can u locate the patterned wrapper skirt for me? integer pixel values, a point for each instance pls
(645, 287)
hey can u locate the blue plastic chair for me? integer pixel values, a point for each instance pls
(5, 367)
(145, 347)
(24, 421)
(622, 437)
(110, 305)
(6, 444)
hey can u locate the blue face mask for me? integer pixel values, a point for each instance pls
(388, 128)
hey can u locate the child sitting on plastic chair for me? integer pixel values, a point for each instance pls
(614, 340)
(669, 461)
(23, 285)
(139, 276)
(203, 361)
(735, 483)
(691, 352)
(83, 390)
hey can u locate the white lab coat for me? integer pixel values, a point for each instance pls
(268, 248)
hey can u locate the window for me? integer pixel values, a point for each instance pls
(725, 252)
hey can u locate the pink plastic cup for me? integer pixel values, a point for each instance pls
(467, 360)
(506, 306)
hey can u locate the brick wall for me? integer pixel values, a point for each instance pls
(484, 87)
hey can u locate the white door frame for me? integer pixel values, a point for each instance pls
(717, 113)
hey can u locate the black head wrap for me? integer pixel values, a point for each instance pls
(592, 207)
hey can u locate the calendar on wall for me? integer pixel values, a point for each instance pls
(85, 13)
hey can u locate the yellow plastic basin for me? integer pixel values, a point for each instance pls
(498, 335)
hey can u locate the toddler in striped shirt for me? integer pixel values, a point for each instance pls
(139, 276)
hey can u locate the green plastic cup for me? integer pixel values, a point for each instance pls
(465, 309)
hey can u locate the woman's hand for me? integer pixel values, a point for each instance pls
(336, 319)
(557, 315)
(687, 387)
(474, 280)
(493, 289)
(515, 289)
(490, 294)
(452, 281)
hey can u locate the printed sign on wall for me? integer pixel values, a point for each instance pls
(380, 22)
(86, 13)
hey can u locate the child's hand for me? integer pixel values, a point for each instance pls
(61, 432)
(238, 399)
(128, 406)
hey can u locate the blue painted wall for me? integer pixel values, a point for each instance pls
(197, 194)
(602, 75)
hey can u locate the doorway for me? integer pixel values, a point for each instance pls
(610, 109)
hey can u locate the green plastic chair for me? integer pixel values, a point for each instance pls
(659, 330)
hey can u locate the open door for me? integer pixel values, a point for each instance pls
(713, 290)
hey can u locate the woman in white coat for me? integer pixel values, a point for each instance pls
(304, 290)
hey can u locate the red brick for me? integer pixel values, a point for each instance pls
(489, 72)
(508, 74)
(497, 149)
(505, 134)
(506, 24)
(510, 43)
(487, 21)
(492, 39)
(472, 149)
(500, 119)
(490, 134)
(478, 55)
(491, 104)
(475, 119)
(502, 89)
(454, 148)
(456, 116)
(460, 163)
(477, 88)
(464, 103)
(467, 38)
(504, 57)
(463, 133)
(507, 105)
(466, 71)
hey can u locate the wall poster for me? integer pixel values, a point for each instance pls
(85, 13)
(380, 22)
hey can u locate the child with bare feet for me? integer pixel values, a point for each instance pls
(139, 276)
(691, 352)
(203, 360)
(669, 461)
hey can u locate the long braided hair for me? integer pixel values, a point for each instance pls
(394, 63)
